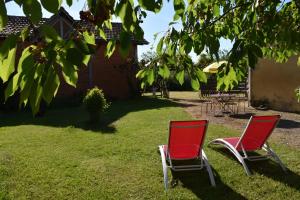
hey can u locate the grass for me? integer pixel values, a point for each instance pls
(180, 95)
(59, 156)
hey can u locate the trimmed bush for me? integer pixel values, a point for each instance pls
(95, 103)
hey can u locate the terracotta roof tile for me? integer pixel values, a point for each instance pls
(16, 23)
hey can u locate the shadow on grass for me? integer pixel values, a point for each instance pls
(288, 124)
(242, 116)
(78, 117)
(268, 168)
(272, 170)
(189, 100)
(198, 182)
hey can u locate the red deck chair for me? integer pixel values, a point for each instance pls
(254, 138)
(186, 140)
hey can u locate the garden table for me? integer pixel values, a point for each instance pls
(224, 101)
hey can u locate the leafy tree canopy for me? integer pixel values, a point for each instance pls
(257, 28)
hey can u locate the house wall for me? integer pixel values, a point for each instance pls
(113, 75)
(276, 83)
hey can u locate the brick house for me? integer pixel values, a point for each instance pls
(114, 75)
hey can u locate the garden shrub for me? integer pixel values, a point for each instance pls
(95, 103)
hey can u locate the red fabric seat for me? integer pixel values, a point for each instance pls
(182, 152)
(186, 139)
(233, 140)
(254, 138)
(185, 143)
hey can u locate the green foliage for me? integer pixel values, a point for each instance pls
(53, 5)
(3, 15)
(95, 103)
(32, 9)
(179, 7)
(151, 5)
(37, 72)
(110, 48)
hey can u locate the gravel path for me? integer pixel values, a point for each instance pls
(287, 131)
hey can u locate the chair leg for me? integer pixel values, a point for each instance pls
(208, 168)
(234, 151)
(276, 158)
(164, 165)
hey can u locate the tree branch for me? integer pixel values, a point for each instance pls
(225, 13)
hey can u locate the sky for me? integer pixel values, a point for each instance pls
(153, 23)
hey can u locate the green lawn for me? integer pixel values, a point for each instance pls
(60, 157)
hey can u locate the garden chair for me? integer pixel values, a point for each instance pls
(186, 139)
(254, 138)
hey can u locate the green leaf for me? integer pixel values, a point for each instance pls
(256, 50)
(69, 72)
(39, 71)
(298, 62)
(180, 77)
(69, 2)
(198, 47)
(216, 10)
(52, 84)
(12, 86)
(35, 96)
(89, 37)
(201, 76)
(150, 76)
(254, 18)
(7, 66)
(49, 33)
(27, 79)
(214, 46)
(141, 74)
(151, 5)
(110, 48)
(108, 24)
(84, 47)
(164, 72)
(25, 60)
(7, 57)
(9, 43)
(74, 56)
(52, 6)
(188, 44)
(195, 83)
(86, 59)
(138, 33)
(25, 33)
(125, 43)
(102, 34)
(3, 15)
(179, 7)
(175, 17)
(252, 59)
(159, 46)
(33, 10)
(125, 12)
(232, 75)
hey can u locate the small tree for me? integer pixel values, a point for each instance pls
(95, 103)
(156, 65)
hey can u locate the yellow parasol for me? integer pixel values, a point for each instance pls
(213, 68)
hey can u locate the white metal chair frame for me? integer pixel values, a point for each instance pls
(167, 161)
(242, 155)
